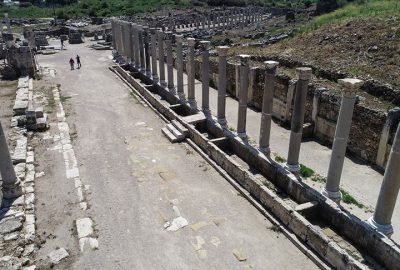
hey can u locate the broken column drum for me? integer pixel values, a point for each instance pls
(170, 63)
(244, 85)
(191, 73)
(147, 50)
(161, 57)
(154, 75)
(350, 88)
(222, 53)
(266, 114)
(179, 64)
(382, 218)
(11, 184)
(205, 77)
(296, 131)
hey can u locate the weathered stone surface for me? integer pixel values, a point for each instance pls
(86, 243)
(10, 263)
(11, 236)
(19, 107)
(56, 256)
(10, 225)
(84, 226)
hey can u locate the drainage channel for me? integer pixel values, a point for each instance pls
(300, 218)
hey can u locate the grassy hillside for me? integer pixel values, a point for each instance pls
(360, 40)
(130, 7)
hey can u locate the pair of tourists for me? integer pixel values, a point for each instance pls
(72, 62)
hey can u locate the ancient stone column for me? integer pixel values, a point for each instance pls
(7, 20)
(179, 65)
(222, 53)
(296, 132)
(205, 78)
(382, 218)
(132, 43)
(154, 75)
(11, 184)
(161, 57)
(350, 88)
(146, 36)
(266, 114)
(191, 73)
(137, 49)
(112, 32)
(170, 63)
(244, 85)
(129, 42)
(141, 50)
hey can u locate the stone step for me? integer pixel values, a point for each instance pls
(169, 135)
(180, 128)
(175, 132)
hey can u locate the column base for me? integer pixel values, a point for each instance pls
(12, 191)
(182, 96)
(384, 229)
(265, 150)
(155, 78)
(171, 89)
(293, 168)
(242, 135)
(163, 83)
(148, 74)
(207, 112)
(223, 122)
(192, 103)
(335, 196)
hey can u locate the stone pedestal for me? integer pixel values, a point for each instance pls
(11, 184)
(244, 85)
(191, 73)
(222, 53)
(170, 64)
(350, 88)
(179, 64)
(298, 119)
(205, 77)
(266, 114)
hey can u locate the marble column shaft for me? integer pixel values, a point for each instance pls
(179, 64)
(266, 114)
(141, 50)
(191, 73)
(137, 46)
(205, 77)
(222, 54)
(244, 85)
(350, 88)
(298, 119)
(382, 218)
(146, 36)
(170, 62)
(154, 74)
(161, 57)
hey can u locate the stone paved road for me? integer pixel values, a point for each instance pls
(139, 181)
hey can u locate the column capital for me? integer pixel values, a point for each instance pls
(244, 59)
(222, 50)
(270, 66)
(205, 44)
(304, 73)
(350, 86)
(179, 38)
(191, 42)
(168, 35)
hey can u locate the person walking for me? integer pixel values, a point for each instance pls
(71, 62)
(78, 61)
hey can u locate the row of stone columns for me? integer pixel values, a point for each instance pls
(381, 219)
(224, 19)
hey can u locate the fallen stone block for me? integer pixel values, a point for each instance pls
(10, 225)
(84, 227)
(20, 107)
(56, 256)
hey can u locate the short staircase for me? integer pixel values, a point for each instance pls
(175, 132)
